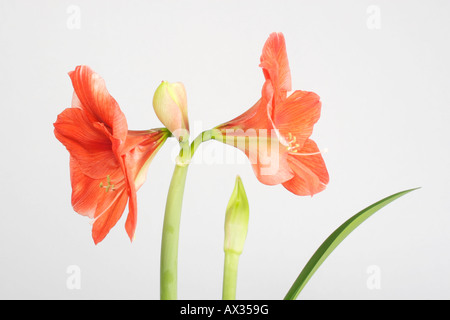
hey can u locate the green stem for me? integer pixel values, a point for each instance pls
(171, 229)
(172, 217)
(230, 275)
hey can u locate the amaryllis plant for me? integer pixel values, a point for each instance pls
(109, 162)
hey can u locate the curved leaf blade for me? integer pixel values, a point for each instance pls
(334, 240)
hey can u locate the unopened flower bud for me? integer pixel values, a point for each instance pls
(170, 105)
(236, 219)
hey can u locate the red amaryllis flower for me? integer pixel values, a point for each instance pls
(108, 163)
(275, 132)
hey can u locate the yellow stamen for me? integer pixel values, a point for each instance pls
(109, 186)
(294, 147)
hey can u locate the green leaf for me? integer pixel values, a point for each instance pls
(334, 240)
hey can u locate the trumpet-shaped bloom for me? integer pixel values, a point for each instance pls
(108, 162)
(275, 132)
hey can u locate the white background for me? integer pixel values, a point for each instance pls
(384, 86)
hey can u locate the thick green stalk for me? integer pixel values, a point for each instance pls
(172, 217)
(171, 228)
(230, 272)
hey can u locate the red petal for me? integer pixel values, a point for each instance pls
(270, 166)
(139, 150)
(311, 175)
(254, 118)
(109, 213)
(86, 142)
(252, 133)
(93, 97)
(267, 155)
(295, 119)
(84, 191)
(141, 147)
(94, 200)
(275, 64)
(87, 193)
(130, 224)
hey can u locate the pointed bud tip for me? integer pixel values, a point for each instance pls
(236, 219)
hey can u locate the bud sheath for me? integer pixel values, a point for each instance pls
(236, 219)
(236, 225)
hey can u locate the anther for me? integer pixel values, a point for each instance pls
(293, 147)
(109, 186)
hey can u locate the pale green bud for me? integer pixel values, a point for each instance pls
(236, 219)
(170, 105)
